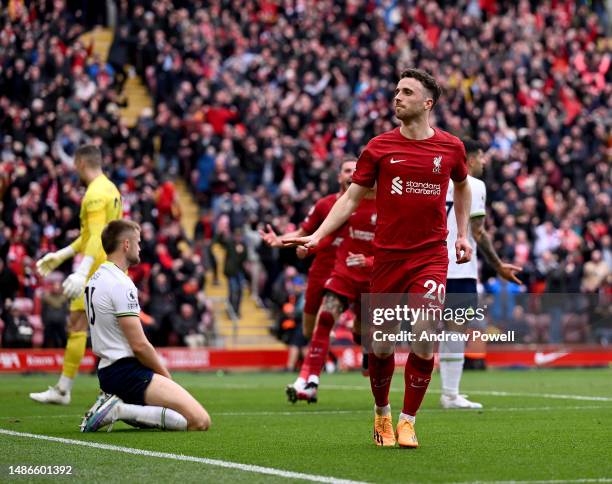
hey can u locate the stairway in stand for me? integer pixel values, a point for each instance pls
(102, 39)
(252, 329)
(137, 96)
(134, 91)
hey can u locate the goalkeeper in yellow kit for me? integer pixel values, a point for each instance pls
(101, 204)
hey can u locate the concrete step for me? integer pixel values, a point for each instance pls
(137, 101)
(133, 88)
(243, 332)
(138, 98)
(133, 110)
(139, 92)
(133, 84)
(248, 324)
(102, 39)
(189, 208)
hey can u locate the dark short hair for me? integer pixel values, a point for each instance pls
(114, 232)
(472, 146)
(90, 154)
(427, 80)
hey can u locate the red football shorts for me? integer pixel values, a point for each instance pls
(348, 288)
(419, 273)
(314, 295)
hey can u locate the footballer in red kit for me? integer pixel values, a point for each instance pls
(320, 268)
(351, 274)
(413, 177)
(412, 166)
(323, 262)
(349, 279)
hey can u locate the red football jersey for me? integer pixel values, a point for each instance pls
(357, 238)
(324, 259)
(412, 177)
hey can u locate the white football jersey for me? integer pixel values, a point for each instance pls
(109, 294)
(468, 270)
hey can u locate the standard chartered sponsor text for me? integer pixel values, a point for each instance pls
(422, 188)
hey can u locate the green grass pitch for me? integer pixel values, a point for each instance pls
(537, 425)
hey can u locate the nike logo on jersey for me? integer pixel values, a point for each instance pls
(396, 161)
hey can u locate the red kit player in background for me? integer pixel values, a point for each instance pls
(349, 279)
(412, 166)
(324, 259)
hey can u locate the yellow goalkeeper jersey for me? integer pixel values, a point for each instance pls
(101, 205)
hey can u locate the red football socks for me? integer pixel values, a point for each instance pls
(319, 345)
(381, 372)
(305, 368)
(417, 375)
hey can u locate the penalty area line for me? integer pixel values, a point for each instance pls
(185, 458)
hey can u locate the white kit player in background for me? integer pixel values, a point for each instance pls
(137, 387)
(461, 286)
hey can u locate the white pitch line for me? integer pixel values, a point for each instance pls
(17, 417)
(290, 413)
(186, 458)
(556, 396)
(546, 395)
(589, 398)
(559, 481)
(424, 410)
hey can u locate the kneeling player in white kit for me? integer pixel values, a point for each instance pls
(137, 387)
(462, 278)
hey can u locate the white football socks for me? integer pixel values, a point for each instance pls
(65, 384)
(410, 418)
(151, 416)
(384, 411)
(451, 365)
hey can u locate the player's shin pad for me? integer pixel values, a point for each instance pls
(75, 350)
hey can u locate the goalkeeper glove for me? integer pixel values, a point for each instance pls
(53, 260)
(75, 282)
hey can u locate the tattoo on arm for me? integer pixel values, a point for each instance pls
(483, 241)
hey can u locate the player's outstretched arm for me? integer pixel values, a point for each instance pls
(143, 350)
(483, 241)
(270, 237)
(53, 260)
(77, 244)
(462, 198)
(303, 252)
(340, 212)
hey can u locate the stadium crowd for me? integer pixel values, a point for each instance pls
(54, 96)
(255, 103)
